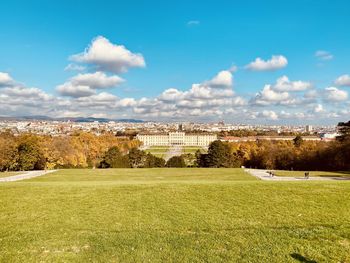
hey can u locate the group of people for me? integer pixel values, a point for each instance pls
(306, 174)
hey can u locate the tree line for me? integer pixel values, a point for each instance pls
(36, 152)
(285, 155)
(81, 150)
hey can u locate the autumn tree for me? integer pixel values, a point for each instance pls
(8, 152)
(298, 140)
(30, 154)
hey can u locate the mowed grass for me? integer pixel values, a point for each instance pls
(312, 173)
(159, 151)
(172, 215)
(189, 149)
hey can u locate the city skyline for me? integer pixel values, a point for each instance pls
(268, 63)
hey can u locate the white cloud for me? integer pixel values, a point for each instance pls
(219, 86)
(110, 57)
(293, 115)
(69, 114)
(171, 95)
(223, 79)
(323, 55)
(276, 62)
(126, 102)
(269, 114)
(285, 93)
(343, 81)
(16, 99)
(24, 92)
(74, 67)
(76, 91)
(332, 94)
(97, 80)
(233, 69)
(311, 94)
(103, 98)
(284, 84)
(202, 99)
(269, 96)
(318, 108)
(99, 115)
(207, 100)
(5, 79)
(84, 85)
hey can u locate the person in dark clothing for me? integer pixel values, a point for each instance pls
(307, 174)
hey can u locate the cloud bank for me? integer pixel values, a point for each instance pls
(101, 66)
(275, 63)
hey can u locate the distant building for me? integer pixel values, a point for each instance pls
(308, 128)
(176, 138)
(329, 136)
(268, 138)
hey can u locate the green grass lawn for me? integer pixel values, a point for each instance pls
(7, 174)
(312, 173)
(190, 149)
(172, 215)
(159, 151)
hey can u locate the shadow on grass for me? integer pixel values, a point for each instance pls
(301, 258)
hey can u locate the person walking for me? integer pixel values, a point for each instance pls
(307, 174)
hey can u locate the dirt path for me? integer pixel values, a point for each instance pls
(173, 151)
(263, 175)
(25, 175)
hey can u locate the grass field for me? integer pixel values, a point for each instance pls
(172, 215)
(189, 149)
(312, 173)
(159, 151)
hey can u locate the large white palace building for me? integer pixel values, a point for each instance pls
(176, 138)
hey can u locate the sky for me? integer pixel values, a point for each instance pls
(265, 62)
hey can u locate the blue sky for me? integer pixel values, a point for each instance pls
(181, 43)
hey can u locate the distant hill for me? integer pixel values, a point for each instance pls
(74, 119)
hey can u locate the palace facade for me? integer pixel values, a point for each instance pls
(176, 138)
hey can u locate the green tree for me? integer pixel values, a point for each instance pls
(159, 162)
(113, 158)
(176, 161)
(153, 161)
(218, 154)
(190, 159)
(137, 158)
(344, 130)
